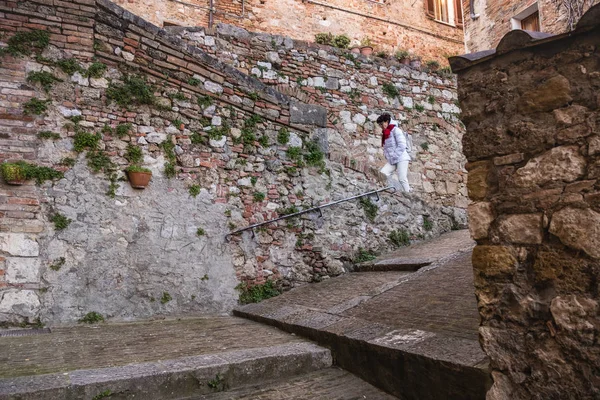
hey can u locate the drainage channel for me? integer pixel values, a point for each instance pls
(23, 332)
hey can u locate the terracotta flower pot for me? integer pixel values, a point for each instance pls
(366, 50)
(18, 182)
(355, 50)
(139, 180)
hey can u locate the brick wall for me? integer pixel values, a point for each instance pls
(494, 19)
(532, 142)
(411, 29)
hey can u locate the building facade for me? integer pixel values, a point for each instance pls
(431, 29)
(487, 21)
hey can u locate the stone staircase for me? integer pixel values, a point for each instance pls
(206, 358)
(412, 334)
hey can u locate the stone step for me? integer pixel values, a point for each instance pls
(152, 360)
(329, 384)
(419, 255)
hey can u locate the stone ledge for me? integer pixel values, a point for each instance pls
(173, 378)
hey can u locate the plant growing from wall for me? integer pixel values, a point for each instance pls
(67, 161)
(169, 149)
(200, 232)
(123, 130)
(253, 180)
(194, 190)
(283, 136)
(23, 43)
(369, 208)
(258, 197)
(45, 79)
(204, 101)
(427, 223)
(399, 237)
(362, 256)
(390, 90)
(92, 318)
(419, 108)
(217, 384)
(401, 55)
(166, 297)
(20, 171)
(134, 154)
(432, 65)
(69, 66)
(324, 38)
(60, 221)
(49, 135)
(35, 106)
(57, 264)
(85, 141)
(425, 146)
(193, 81)
(430, 99)
(341, 41)
(133, 91)
(257, 293)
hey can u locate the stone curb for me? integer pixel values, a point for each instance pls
(170, 379)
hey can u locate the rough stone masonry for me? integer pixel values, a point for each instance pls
(242, 151)
(532, 113)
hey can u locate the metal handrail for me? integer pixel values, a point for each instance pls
(317, 208)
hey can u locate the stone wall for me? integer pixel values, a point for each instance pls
(131, 254)
(493, 23)
(532, 113)
(391, 25)
(353, 92)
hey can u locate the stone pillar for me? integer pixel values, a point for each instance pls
(532, 112)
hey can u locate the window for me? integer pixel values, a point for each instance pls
(528, 19)
(446, 11)
(531, 23)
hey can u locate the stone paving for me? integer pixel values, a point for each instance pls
(104, 345)
(429, 316)
(329, 384)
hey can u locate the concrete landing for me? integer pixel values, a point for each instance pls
(329, 384)
(152, 360)
(413, 335)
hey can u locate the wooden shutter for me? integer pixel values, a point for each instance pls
(458, 12)
(430, 8)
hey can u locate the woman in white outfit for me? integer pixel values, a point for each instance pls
(395, 151)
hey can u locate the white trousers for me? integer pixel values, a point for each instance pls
(402, 169)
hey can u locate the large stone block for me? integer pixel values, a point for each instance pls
(481, 216)
(521, 228)
(563, 163)
(19, 244)
(308, 114)
(477, 182)
(24, 303)
(22, 270)
(578, 228)
(493, 262)
(548, 95)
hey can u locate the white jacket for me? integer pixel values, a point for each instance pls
(394, 148)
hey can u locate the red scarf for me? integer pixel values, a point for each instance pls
(386, 133)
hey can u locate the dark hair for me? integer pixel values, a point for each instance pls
(384, 118)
